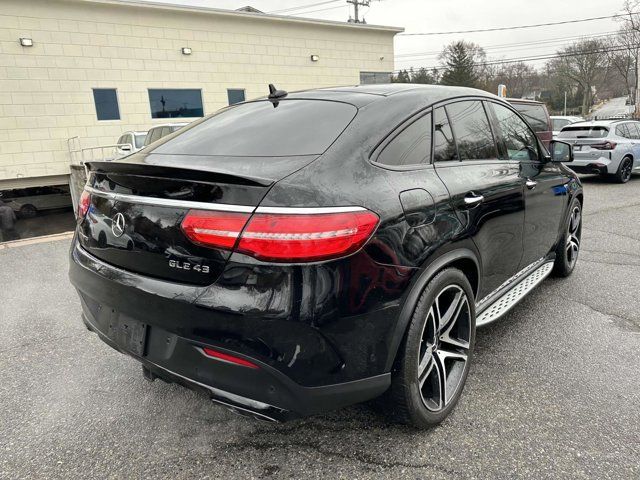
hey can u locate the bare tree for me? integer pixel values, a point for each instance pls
(519, 78)
(627, 46)
(584, 63)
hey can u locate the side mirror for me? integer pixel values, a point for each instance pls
(561, 151)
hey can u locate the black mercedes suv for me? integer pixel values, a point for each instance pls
(311, 250)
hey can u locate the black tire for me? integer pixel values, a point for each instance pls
(623, 175)
(28, 211)
(409, 397)
(569, 244)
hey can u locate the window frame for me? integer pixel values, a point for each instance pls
(244, 95)
(200, 90)
(492, 128)
(95, 105)
(496, 127)
(443, 106)
(636, 127)
(394, 133)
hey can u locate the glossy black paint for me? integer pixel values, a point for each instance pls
(321, 325)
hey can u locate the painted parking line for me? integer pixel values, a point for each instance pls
(35, 240)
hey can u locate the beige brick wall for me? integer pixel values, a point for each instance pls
(46, 90)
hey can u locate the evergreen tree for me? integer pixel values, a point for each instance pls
(462, 63)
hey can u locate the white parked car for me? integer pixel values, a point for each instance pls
(131, 142)
(607, 147)
(559, 122)
(28, 202)
(159, 131)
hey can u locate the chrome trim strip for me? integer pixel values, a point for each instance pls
(168, 202)
(308, 210)
(219, 207)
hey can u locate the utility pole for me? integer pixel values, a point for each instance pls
(356, 4)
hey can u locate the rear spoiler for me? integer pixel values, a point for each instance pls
(176, 173)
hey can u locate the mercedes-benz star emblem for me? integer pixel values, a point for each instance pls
(117, 225)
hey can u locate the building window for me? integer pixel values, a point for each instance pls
(173, 103)
(235, 95)
(106, 101)
(367, 78)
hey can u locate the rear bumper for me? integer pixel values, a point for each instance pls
(176, 354)
(589, 163)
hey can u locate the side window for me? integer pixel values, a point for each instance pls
(153, 135)
(443, 142)
(412, 146)
(518, 139)
(621, 131)
(472, 131)
(121, 140)
(635, 130)
(165, 131)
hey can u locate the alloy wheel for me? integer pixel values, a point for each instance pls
(573, 236)
(626, 168)
(444, 348)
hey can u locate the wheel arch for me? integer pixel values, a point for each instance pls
(463, 259)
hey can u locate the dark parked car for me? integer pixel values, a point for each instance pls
(537, 115)
(312, 250)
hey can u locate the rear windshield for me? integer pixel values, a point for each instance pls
(558, 123)
(535, 115)
(584, 132)
(264, 129)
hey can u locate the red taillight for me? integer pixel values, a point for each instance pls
(305, 238)
(225, 357)
(214, 229)
(83, 204)
(604, 146)
(283, 237)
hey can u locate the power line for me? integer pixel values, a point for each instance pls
(319, 10)
(503, 45)
(302, 7)
(496, 29)
(534, 58)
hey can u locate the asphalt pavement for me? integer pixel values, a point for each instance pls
(554, 391)
(614, 106)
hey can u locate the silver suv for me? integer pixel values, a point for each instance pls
(607, 147)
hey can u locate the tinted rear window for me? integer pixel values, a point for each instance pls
(558, 123)
(535, 115)
(584, 132)
(258, 129)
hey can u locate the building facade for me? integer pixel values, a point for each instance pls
(93, 69)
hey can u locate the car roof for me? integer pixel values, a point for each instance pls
(361, 95)
(179, 124)
(524, 100)
(601, 123)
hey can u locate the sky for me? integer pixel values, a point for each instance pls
(417, 16)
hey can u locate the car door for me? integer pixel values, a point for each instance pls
(486, 191)
(633, 129)
(545, 192)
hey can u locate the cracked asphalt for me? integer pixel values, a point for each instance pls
(554, 391)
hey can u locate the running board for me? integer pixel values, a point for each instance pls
(511, 297)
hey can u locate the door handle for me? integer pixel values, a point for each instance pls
(472, 199)
(531, 184)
